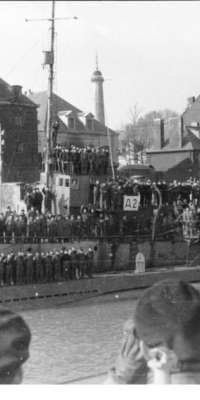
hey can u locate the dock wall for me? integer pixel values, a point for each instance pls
(117, 256)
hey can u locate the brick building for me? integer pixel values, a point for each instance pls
(18, 119)
(176, 150)
(75, 126)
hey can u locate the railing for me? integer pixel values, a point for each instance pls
(169, 234)
(69, 168)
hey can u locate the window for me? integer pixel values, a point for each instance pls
(20, 147)
(19, 120)
(71, 123)
(89, 124)
(66, 182)
(61, 182)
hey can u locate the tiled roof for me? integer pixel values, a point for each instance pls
(59, 104)
(62, 107)
(6, 95)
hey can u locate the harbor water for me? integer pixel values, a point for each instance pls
(76, 341)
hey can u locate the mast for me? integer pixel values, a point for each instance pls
(2, 132)
(110, 152)
(50, 96)
(49, 60)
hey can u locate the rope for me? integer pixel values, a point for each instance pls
(22, 57)
(110, 147)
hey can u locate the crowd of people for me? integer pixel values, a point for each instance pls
(178, 204)
(109, 194)
(180, 212)
(35, 227)
(80, 160)
(103, 217)
(37, 198)
(26, 267)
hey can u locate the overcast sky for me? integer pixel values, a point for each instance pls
(149, 52)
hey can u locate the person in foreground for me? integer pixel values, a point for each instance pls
(161, 345)
(15, 339)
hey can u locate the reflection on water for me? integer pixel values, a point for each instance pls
(76, 340)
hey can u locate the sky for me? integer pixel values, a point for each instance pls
(148, 52)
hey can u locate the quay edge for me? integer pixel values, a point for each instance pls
(50, 295)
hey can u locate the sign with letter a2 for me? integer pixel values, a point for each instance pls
(131, 203)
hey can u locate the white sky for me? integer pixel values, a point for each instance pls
(149, 52)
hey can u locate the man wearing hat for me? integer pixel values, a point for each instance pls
(161, 344)
(38, 273)
(89, 261)
(81, 263)
(74, 264)
(15, 337)
(20, 266)
(29, 265)
(2, 268)
(66, 267)
(56, 259)
(9, 270)
(49, 266)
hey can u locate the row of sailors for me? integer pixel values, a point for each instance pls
(110, 194)
(49, 228)
(83, 160)
(53, 266)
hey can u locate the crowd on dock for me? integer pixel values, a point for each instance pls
(109, 194)
(180, 210)
(26, 267)
(103, 217)
(35, 227)
(80, 160)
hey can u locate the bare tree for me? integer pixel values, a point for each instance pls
(139, 131)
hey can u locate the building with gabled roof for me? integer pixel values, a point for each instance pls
(176, 150)
(75, 126)
(18, 121)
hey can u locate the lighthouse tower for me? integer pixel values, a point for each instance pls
(98, 80)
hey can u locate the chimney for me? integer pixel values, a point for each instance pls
(162, 133)
(180, 131)
(191, 100)
(17, 91)
(159, 133)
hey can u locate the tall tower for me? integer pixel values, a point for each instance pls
(98, 80)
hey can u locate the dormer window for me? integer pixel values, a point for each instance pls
(89, 119)
(19, 120)
(71, 123)
(89, 123)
